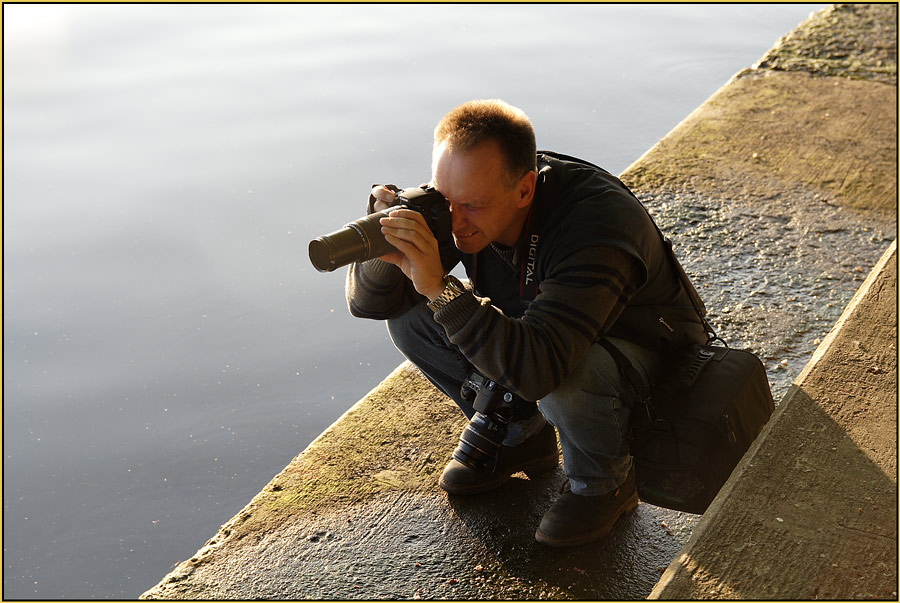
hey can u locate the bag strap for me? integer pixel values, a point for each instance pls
(631, 375)
(688, 287)
(625, 367)
(686, 283)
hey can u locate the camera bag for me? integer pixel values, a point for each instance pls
(693, 426)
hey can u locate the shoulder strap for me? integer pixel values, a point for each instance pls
(688, 286)
(625, 366)
(686, 283)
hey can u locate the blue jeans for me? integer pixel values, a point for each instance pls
(589, 409)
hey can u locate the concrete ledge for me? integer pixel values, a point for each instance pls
(805, 138)
(811, 510)
(781, 126)
(768, 132)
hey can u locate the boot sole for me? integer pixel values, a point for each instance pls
(627, 506)
(532, 469)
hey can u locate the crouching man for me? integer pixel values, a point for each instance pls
(558, 254)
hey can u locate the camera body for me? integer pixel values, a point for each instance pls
(362, 240)
(479, 444)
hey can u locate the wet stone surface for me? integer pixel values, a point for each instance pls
(421, 546)
(775, 273)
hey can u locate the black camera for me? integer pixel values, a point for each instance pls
(362, 240)
(495, 408)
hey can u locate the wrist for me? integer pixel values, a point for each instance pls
(435, 292)
(452, 289)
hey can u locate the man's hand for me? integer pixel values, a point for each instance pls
(417, 252)
(384, 198)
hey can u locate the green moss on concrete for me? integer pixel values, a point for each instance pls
(782, 125)
(766, 133)
(857, 41)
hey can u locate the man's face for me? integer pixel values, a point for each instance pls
(483, 206)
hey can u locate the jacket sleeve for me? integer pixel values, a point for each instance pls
(579, 301)
(379, 290)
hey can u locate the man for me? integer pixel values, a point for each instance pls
(559, 254)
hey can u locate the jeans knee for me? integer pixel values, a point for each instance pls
(595, 424)
(579, 410)
(408, 330)
(552, 409)
(589, 401)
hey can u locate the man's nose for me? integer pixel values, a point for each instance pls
(456, 219)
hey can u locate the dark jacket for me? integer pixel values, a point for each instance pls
(589, 262)
(578, 205)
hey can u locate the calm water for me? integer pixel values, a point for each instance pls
(167, 346)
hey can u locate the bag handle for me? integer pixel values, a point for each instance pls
(693, 370)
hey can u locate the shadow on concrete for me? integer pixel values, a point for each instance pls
(829, 528)
(624, 565)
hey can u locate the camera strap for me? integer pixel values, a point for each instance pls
(528, 246)
(541, 208)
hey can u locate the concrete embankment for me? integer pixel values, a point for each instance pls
(811, 510)
(800, 149)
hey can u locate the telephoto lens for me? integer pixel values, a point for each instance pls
(362, 240)
(358, 241)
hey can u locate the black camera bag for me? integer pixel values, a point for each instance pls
(690, 429)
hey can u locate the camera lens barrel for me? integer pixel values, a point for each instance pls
(479, 444)
(358, 241)
(362, 240)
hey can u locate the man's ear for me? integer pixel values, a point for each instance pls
(525, 189)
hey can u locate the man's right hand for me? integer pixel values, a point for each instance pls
(418, 255)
